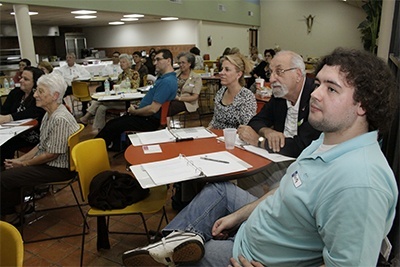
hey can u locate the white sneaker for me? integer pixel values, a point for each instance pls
(176, 248)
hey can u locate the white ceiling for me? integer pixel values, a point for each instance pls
(51, 16)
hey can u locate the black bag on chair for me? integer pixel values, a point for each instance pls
(115, 190)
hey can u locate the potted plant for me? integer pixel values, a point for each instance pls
(370, 26)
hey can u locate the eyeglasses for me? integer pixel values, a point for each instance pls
(158, 58)
(280, 72)
(182, 62)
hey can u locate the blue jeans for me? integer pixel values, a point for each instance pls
(213, 202)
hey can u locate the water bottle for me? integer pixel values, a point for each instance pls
(107, 87)
(206, 69)
(12, 84)
(127, 84)
(115, 74)
(6, 85)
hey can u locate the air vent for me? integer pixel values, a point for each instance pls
(221, 8)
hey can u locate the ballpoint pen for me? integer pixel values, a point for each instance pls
(215, 160)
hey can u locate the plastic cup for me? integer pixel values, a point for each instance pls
(259, 83)
(230, 138)
(212, 72)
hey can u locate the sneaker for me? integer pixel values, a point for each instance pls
(176, 248)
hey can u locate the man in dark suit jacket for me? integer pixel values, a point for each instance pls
(282, 125)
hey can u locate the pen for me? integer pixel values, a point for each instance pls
(215, 160)
(184, 139)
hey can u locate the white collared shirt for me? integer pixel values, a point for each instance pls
(292, 116)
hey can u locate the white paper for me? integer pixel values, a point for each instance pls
(193, 132)
(6, 133)
(152, 149)
(275, 157)
(187, 168)
(155, 137)
(17, 123)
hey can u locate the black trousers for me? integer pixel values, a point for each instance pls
(115, 127)
(13, 180)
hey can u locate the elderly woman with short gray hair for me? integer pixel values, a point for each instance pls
(189, 86)
(48, 161)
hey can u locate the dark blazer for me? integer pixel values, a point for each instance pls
(13, 102)
(273, 115)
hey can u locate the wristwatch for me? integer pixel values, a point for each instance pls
(260, 140)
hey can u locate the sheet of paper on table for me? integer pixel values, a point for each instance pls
(169, 135)
(275, 157)
(8, 132)
(184, 168)
(17, 123)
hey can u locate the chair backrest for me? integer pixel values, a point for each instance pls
(80, 89)
(73, 139)
(90, 158)
(164, 114)
(11, 246)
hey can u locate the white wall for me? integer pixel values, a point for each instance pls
(223, 35)
(146, 34)
(335, 24)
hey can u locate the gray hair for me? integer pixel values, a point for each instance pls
(55, 83)
(296, 60)
(72, 54)
(127, 57)
(189, 57)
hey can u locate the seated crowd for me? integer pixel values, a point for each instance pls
(313, 210)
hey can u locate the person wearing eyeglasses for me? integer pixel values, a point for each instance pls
(114, 69)
(146, 116)
(282, 125)
(21, 64)
(20, 104)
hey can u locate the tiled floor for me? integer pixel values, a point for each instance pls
(66, 251)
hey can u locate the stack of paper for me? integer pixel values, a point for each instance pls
(187, 168)
(169, 135)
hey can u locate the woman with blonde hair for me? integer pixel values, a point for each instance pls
(234, 103)
(45, 66)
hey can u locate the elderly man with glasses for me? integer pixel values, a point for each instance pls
(282, 125)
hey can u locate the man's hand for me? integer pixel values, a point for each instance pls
(131, 109)
(275, 139)
(247, 134)
(223, 226)
(245, 263)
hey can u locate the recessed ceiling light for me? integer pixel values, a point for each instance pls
(1, 4)
(169, 18)
(134, 16)
(31, 13)
(116, 23)
(86, 17)
(83, 12)
(129, 19)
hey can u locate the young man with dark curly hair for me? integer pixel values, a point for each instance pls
(335, 204)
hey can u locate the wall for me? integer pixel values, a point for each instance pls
(171, 33)
(335, 24)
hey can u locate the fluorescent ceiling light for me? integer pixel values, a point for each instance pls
(116, 23)
(134, 16)
(83, 12)
(31, 13)
(129, 19)
(86, 17)
(169, 18)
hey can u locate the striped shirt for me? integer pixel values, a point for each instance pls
(54, 133)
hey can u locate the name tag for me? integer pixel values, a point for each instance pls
(296, 179)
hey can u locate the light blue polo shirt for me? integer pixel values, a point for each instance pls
(332, 207)
(164, 89)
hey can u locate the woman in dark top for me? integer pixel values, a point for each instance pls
(20, 104)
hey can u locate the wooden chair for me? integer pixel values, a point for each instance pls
(11, 246)
(80, 93)
(72, 141)
(91, 158)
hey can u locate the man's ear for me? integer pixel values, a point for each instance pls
(360, 110)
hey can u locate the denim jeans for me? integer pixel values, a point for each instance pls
(213, 202)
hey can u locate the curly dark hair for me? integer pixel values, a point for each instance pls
(373, 82)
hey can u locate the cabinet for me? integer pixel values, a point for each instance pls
(10, 56)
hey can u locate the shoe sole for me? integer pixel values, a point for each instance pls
(188, 252)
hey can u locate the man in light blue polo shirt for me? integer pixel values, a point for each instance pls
(335, 204)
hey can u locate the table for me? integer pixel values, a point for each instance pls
(127, 97)
(18, 128)
(135, 155)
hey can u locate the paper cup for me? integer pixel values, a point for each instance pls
(230, 138)
(259, 83)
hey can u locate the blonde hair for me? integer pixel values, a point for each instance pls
(241, 63)
(46, 65)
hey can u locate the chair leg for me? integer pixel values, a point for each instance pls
(83, 239)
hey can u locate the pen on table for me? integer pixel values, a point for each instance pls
(215, 160)
(184, 139)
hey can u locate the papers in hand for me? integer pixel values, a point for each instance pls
(169, 135)
(184, 168)
(275, 157)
